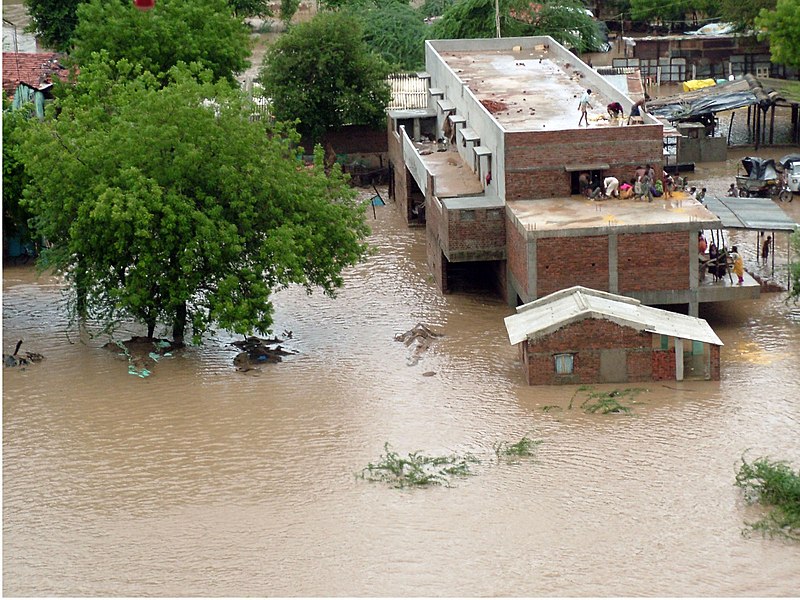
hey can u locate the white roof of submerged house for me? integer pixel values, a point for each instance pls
(554, 311)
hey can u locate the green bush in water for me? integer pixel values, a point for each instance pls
(773, 484)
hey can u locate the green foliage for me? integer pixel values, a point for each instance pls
(609, 402)
(170, 204)
(776, 485)
(288, 9)
(15, 178)
(564, 20)
(174, 31)
(53, 21)
(671, 12)
(397, 32)
(435, 8)
(741, 13)
(323, 75)
(782, 27)
(417, 469)
(794, 267)
(524, 447)
(250, 8)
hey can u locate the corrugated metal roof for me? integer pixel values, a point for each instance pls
(408, 91)
(761, 214)
(546, 315)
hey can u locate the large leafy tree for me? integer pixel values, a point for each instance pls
(174, 31)
(170, 204)
(15, 178)
(397, 32)
(53, 21)
(565, 20)
(322, 74)
(782, 27)
(672, 12)
(794, 267)
(741, 13)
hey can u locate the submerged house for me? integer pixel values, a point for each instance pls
(579, 336)
(490, 168)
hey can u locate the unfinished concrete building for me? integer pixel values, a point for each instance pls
(490, 168)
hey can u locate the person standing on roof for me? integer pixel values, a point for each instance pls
(583, 105)
(637, 110)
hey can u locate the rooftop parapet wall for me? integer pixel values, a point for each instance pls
(414, 162)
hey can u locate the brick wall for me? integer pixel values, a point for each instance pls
(517, 256)
(663, 364)
(483, 232)
(715, 364)
(653, 261)
(433, 231)
(564, 262)
(535, 161)
(401, 175)
(587, 339)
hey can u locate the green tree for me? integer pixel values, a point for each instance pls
(250, 8)
(322, 74)
(794, 267)
(53, 21)
(566, 21)
(782, 27)
(741, 13)
(170, 204)
(397, 32)
(174, 31)
(15, 178)
(288, 9)
(672, 13)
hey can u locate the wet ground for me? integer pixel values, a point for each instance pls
(201, 480)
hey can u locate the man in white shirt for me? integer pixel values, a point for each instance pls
(583, 106)
(611, 185)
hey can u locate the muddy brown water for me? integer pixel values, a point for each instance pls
(201, 481)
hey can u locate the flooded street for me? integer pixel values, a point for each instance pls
(199, 480)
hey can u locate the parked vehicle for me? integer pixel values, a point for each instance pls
(791, 171)
(761, 179)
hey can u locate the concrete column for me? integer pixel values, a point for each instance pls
(532, 275)
(694, 274)
(613, 264)
(678, 359)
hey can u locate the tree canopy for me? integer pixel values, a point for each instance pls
(782, 27)
(397, 32)
(15, 215)
(741, 13)
(672, 12)
(170, 204)
(564, 20)
(53, 21)
(322, 74)
(174, 31)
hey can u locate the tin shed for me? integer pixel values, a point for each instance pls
(581, 335)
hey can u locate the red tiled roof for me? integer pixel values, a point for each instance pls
(34, 69)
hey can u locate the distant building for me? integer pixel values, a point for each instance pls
(491, 166)
(582, 336)
(28, 77)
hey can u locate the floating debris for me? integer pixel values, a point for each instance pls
(421, 337)
(257, 351)
(142, 353)
(21, 360)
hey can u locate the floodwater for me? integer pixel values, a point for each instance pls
(202, 481)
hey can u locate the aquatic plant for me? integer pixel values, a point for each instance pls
(524, 447)
(417, 469)
(608, 402)
(773, 484)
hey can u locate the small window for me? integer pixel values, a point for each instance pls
(665, 342)
(467, 215)
(564, 363)
(494, 214)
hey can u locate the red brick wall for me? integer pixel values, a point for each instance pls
(664, 364)
(715, 364)
(434, 221)
(653, 261)
(622, 148)
(482, 233)
(517, 256)
(586, 339)
(564, 262)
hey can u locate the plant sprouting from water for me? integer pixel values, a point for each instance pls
(417, 469)
(524, 447)
(609, 402)
(773, 484)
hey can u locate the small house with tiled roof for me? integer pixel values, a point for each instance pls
(579, 335)
(28, 77)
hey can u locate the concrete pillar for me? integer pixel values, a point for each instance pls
(613, 264)
(532, 275)
(678, 359)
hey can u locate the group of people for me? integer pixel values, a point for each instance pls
(717, 262)
(644, 185)
(614, 109)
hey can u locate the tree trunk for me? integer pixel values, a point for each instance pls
(179, 325)
(151, 329)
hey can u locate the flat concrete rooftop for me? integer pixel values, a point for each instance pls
(576, 215)
(534, 90)
(452, 178)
